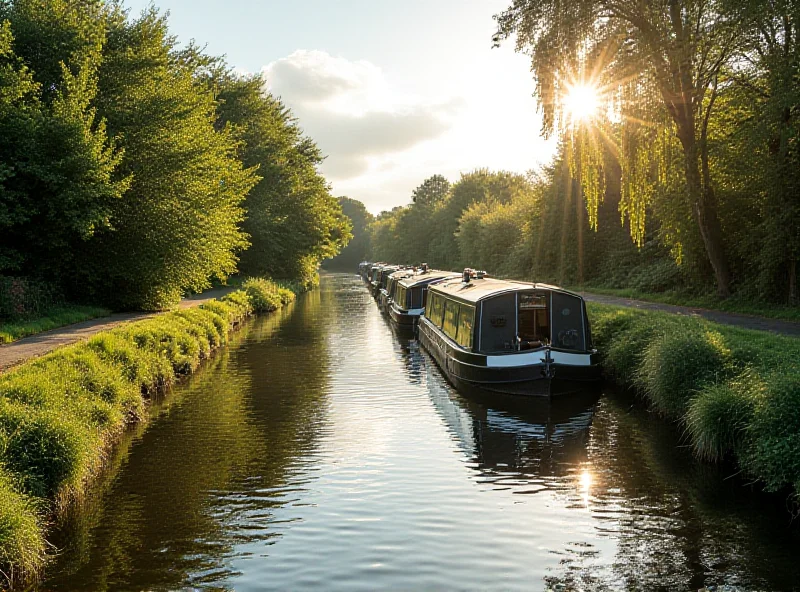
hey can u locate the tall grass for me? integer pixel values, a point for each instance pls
(735, 391)
(59, 414)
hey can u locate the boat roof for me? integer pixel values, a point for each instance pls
(401, 273)
(480, 289)
(421, 278)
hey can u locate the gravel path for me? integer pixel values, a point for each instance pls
(789, 328)
(19, 351)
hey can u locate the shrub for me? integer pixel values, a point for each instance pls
(262, 294)
(59, 413)
(676, 365)
(22, 544)
(625, 352)
(775, 433)
(46, 449)
(144, 368)
(718, 418)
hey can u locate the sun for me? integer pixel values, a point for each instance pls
(582, 102)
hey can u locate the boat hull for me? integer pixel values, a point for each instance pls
(402, 318)
(465, 372)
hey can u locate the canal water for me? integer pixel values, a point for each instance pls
(322, 450)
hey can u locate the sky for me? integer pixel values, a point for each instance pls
(392, 92)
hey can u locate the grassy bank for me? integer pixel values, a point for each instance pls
(60, 413)
(52, 319)
(736, 392)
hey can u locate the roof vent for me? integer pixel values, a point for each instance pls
(480, 274)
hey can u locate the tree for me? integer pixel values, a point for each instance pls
(667, 53)
(769, 73)
(177, 227)
(432, 191)
(57, 178)
(358, 248)
(293, 221)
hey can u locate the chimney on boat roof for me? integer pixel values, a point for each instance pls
(467, 275)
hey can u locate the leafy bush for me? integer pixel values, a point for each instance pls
(23, 298)
(775, 432)
(734, 390)
(263, 294)
(717, 422)
(676, 365)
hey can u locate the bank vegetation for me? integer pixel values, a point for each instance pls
(61, 413)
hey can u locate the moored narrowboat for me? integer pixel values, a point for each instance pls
(411, 292)
(382, 278)
(375, 277)
(509, 337)
(385, 296)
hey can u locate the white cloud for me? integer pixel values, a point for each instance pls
(350, 111)
(381, 141)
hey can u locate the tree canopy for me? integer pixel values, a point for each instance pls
(134, 170)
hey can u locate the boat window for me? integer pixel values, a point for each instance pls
(567, 330)
(498, 324)
(450, 326)
(399, 296)
(466, 320)
(533, 326)
(416, 297)
(437, 310)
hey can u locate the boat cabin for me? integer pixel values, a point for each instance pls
(492, 316)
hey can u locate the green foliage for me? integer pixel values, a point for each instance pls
(132, 171)
(22, 544)
(734, 391)
(357, 250)
(266, 296)
(292, 220)
(774, 454)
(717, 422)
(59, 413)
(56, 185)
(678, 364)
(178, 225)
(52, 318)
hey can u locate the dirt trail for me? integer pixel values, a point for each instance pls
(19, 351)
(789, 328)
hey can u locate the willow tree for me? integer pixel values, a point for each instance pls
(663, 52)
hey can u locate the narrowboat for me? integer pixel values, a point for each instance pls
(363, 269)
(375, 277)
(509, 337)
(385, 296)
(382, 279)
(411, 293)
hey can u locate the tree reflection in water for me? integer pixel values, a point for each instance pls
(180, 494)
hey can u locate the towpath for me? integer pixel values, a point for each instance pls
(789, 328)
(19, 351)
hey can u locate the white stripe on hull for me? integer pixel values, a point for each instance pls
(537, 357)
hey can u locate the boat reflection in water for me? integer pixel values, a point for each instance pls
(530, 443)
(619, 502)
(516, 442)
